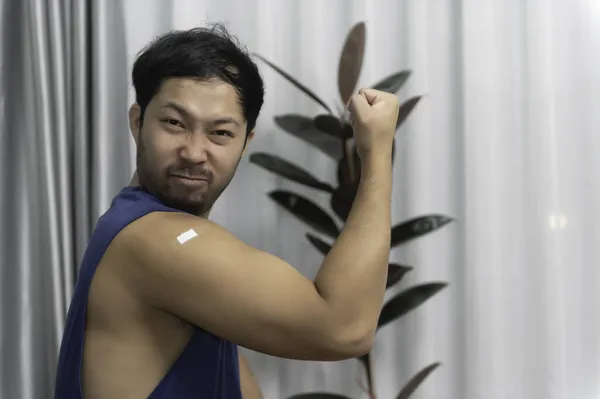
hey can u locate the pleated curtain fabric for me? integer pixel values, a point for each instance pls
(504, 140)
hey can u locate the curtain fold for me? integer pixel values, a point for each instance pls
(44, 208)
(505, 140)
(112, 148)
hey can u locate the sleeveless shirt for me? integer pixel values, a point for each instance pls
(208, 366)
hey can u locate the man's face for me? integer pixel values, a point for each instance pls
(190, 143)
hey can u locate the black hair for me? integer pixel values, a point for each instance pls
(201, 53)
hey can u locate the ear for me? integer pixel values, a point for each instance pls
(248, 140)
(135, 121)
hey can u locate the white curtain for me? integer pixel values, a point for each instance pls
(507, 140)
(45, 165)
(64, 151)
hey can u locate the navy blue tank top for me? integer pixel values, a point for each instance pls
(207, 367)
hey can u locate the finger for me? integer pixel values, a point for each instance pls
(358, 104)
(371, 95)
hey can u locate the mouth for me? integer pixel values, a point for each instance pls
(191, 180)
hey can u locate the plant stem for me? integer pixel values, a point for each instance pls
(371, 380)
(350, 159)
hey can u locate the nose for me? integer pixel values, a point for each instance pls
(194, 149)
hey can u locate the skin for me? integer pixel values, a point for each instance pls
(149, 290)
(249, 384)
(191, 129)
(190, 143)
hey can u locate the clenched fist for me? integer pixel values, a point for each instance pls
(374, 114)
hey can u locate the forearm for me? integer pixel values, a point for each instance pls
(353, 276)
(248, 383)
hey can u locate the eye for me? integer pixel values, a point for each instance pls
(223, 133)
(172, 122)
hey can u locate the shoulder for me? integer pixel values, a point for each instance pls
(163, 243)
(167, 231)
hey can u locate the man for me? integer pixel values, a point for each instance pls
(164, 295)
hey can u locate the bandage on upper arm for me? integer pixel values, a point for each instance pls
(186, 236)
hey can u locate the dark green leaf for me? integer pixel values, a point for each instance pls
(319, 244)
(294, 123)
(414, 382)
(351, 61)
(342, 200)
(407, 300)
(307, 211)
(328, 124)
(406, 108)
(393, 83)
(347, 131)
(417, 227)
(302, 127)
(288, 170)
(345, 174)
(294, 81)
(318, 395)
(395, 273)
(365, 360)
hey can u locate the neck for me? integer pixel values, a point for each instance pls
(134, 180)
(205, 215)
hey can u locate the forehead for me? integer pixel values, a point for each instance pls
(201, 98)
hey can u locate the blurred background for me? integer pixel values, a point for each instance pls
(505, 140)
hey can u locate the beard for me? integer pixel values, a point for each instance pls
(173, 193)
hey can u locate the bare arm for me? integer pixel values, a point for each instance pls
(354, 273)
(250, 387)
(257, 300)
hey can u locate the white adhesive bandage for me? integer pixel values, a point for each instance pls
(186, 236)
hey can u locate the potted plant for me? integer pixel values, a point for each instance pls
(332, 134)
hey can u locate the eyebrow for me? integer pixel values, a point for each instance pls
(181, 110)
